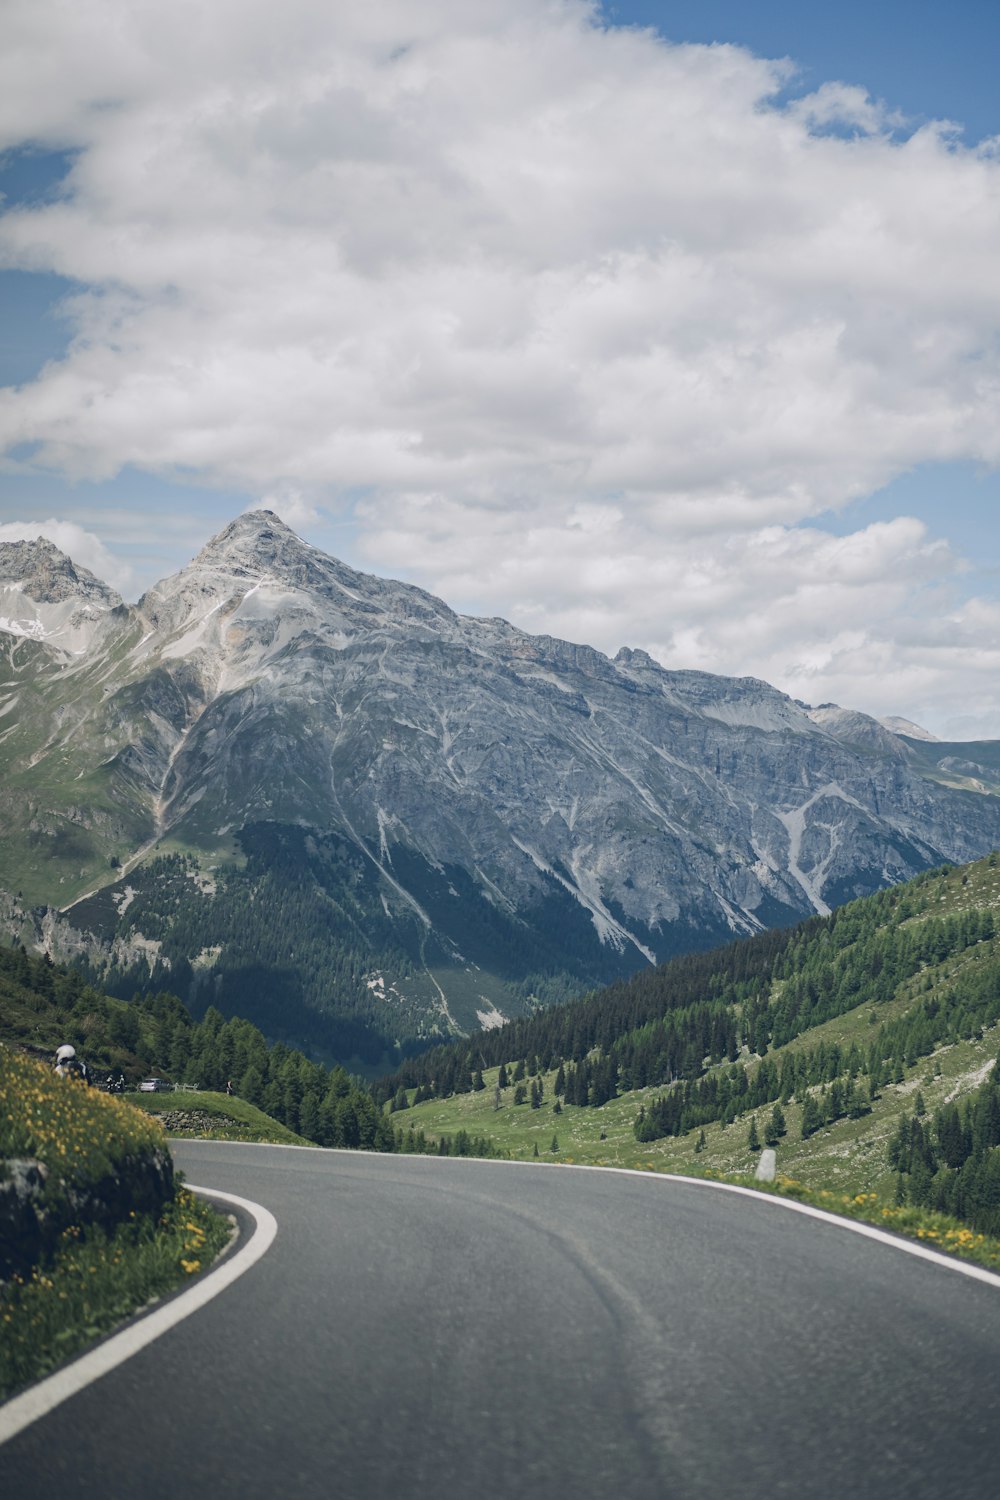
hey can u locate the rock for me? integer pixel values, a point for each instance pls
(22, 1214)
(35, 1207)
(767, 1165)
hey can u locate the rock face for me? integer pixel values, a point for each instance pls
(479, 817)
(44, 596)
(35, 1210)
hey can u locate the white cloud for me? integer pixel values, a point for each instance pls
(845, 105)
(595, 324)
(291, 505)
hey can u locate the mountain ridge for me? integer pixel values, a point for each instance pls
(482, 818)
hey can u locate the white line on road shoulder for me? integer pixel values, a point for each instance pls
(839, 1221)
(22, 1410)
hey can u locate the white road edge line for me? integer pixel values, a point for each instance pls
(839, 1221)
(42, 1398)
(855, 1226)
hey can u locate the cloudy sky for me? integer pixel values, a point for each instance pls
(672, 325)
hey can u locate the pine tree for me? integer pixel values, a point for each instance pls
(555, 1144)
(776, 1126)
(309, 1115)
(753, 1139)
(251, 1085)
(811, 1117)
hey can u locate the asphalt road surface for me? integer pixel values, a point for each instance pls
(432, 1328)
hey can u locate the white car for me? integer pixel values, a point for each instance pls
(153, 1086)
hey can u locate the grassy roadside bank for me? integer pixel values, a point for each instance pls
(93, 1224)
(207, 1115)
(843, 1169)
(935, 1230)
(96, 1281)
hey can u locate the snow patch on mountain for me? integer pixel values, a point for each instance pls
(66, 625)
(384, 990)
(45, 596)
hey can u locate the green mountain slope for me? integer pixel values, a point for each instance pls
(208, 1114)
(826, 1042)
(303, 935)
(970, 765)
(43, 1005)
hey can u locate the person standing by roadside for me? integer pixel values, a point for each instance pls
(68, 1065)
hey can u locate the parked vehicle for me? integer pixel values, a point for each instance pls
(154, 1086)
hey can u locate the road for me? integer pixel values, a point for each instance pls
(429, 1328)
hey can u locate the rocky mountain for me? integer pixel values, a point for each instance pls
(44, 596)
(327, 801)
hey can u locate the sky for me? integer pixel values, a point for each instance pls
(668, 325)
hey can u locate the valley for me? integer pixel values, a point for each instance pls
(860, 1047)
(830, 1046)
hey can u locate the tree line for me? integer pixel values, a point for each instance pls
(951, 1162)
(950, 1011)
(679, 1020)
(157, 1033)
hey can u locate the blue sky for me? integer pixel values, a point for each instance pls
(926, 58)
(638, 345)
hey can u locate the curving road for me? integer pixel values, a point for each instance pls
(424, 1328)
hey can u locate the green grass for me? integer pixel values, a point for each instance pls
(846, 1157)
(90, 1278)
(226, 1118)
(938, 1231)
(218, 850)
(843, 1168)
(78, 1133)
(97, 1280)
